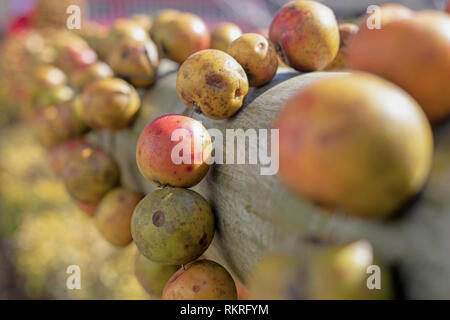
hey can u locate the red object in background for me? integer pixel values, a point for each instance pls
(20, 23)
(448, 6)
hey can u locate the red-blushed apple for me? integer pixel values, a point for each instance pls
(174, 150)
(305, 34)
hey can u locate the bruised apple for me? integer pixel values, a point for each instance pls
(213, 83)
(173, 226)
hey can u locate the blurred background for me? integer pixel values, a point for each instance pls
(41, 231)
(249, 14)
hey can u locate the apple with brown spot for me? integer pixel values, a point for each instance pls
(173, 226)
(213, 83)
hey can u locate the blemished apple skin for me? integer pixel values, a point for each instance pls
(305, 34)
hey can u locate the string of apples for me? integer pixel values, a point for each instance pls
(173, 225)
